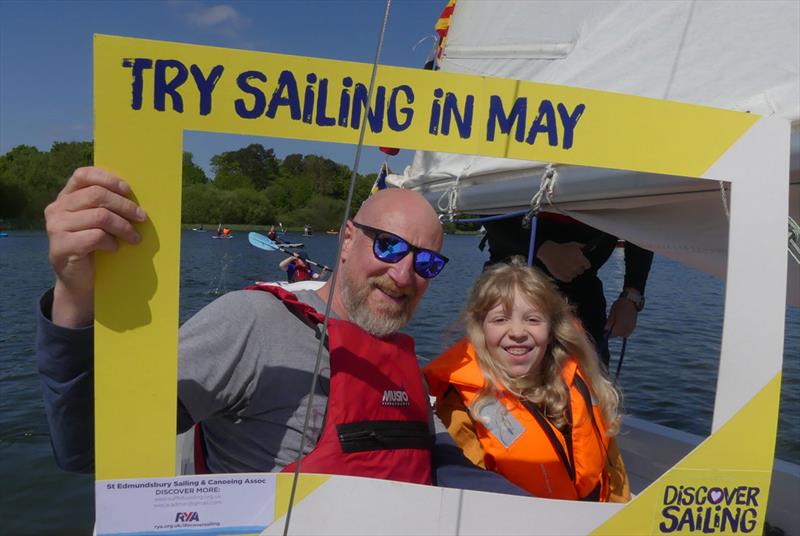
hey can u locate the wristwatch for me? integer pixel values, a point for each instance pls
(634, 296)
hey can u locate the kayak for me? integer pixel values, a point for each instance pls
(291, 287)
(3, 234)
(222, 237)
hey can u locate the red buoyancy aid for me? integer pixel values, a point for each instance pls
(541, 458)
(377, 420)
(301, 272)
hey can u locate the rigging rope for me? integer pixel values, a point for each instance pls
(794, 240)
(724, 195)
(547, 184)
(324, 330)
(545, 192)
(451, 195)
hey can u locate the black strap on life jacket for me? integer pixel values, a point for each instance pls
(583, 389)
(567, 456)
(547, 427)
(384, 435)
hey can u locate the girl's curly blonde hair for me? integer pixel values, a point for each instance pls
(543, 385)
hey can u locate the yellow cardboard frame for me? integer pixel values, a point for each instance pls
(147, 93)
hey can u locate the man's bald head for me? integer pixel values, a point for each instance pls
(405, 213)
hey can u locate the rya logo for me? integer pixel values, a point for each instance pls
(186, 516)
(710, 509)
(395, 398)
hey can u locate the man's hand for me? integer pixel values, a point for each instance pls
(565, 261)
(622, 318)
(90, 213)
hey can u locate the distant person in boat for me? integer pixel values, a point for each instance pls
(572, 253)
(272, 234)
(297, 268)
(307, 230)
(246, 359)
(223, 231)
(524, 395)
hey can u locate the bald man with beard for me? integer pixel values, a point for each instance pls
(246, 359)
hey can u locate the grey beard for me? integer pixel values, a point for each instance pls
(377, 324)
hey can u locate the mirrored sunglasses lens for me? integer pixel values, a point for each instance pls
(427, 264)
(390, 248)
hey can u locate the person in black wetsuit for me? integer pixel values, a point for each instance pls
(571, 253)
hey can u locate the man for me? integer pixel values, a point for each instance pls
(246, 359)
(572, 253)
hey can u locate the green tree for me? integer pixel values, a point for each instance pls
(192, 173)
(66, 157)
(13, 200)
(292, 165)
(233, 179)
(254, 162)
(200, 204)
(321, 212)
(26, 178)
(250, 185)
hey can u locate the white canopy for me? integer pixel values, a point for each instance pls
(743, 56)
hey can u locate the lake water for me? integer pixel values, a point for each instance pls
(668, 376)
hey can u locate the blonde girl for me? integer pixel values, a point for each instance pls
(523, 394)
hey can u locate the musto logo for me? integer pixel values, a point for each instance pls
(395, 398)
(186, 517)
(709, 509)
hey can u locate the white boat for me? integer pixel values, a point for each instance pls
(742, 56)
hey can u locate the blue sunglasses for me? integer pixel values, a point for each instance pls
(388, 247)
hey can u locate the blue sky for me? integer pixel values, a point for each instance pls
(46, 57)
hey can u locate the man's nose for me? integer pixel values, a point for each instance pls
(402, 272)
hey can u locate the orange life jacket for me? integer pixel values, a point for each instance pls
(529, 451)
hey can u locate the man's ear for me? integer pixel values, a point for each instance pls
(347, 241)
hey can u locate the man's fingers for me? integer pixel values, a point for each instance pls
(96, 196)
(101, 219)
(80, 244)
(88, 176)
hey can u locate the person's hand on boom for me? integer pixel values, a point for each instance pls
(91, 213)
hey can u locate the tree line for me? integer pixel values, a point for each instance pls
(250, 186)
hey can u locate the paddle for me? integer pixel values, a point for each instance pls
(262, 242)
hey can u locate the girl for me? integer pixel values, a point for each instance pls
(524, 395)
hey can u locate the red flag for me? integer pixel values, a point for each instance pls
(443, 25)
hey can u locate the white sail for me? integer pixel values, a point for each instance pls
(742, 56)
